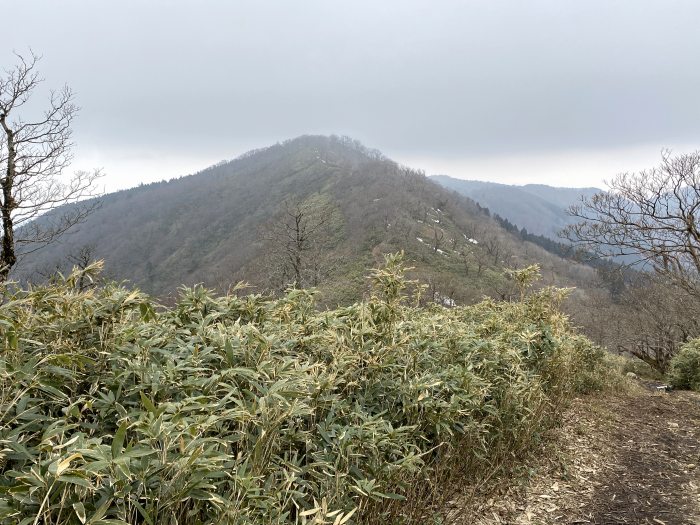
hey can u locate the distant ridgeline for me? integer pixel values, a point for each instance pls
(563, 250)
(539, 208)
(615, 274)
(536, 213)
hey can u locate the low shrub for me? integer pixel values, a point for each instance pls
(684, 369)
(596, 370)
(238, 410)
(641, 369)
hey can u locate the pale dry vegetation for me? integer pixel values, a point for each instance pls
(228, 409)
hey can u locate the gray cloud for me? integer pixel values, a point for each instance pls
(452, 80)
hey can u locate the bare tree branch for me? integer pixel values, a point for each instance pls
(653, 216)
(33, 155)
(298, 240)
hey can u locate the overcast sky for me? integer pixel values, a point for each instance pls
(560, 92)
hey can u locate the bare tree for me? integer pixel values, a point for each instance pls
(652, 216)
(493, 247)
(441, 290)
(482, 260)
(659, 317)
(82, 263)
(33, 155)
(299, 240)
(438, 236)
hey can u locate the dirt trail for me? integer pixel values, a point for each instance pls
(652, 477)
(629, 459)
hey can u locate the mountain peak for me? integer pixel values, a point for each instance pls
(214, 227)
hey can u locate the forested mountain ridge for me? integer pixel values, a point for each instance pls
(232, 222)
(538, 208)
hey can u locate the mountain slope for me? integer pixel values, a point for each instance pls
(211, 227)
(538, 208)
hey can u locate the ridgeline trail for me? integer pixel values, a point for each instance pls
(618, 459)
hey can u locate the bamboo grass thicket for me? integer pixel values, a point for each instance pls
(237, 410)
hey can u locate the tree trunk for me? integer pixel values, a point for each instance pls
(8, 258)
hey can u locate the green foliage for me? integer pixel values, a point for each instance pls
(248, 409)
(684, 371)
(640, 369)
(599, 370)
(524, 277)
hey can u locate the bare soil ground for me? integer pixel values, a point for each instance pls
(620, 459)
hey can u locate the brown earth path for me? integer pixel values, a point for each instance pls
(618, 459)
